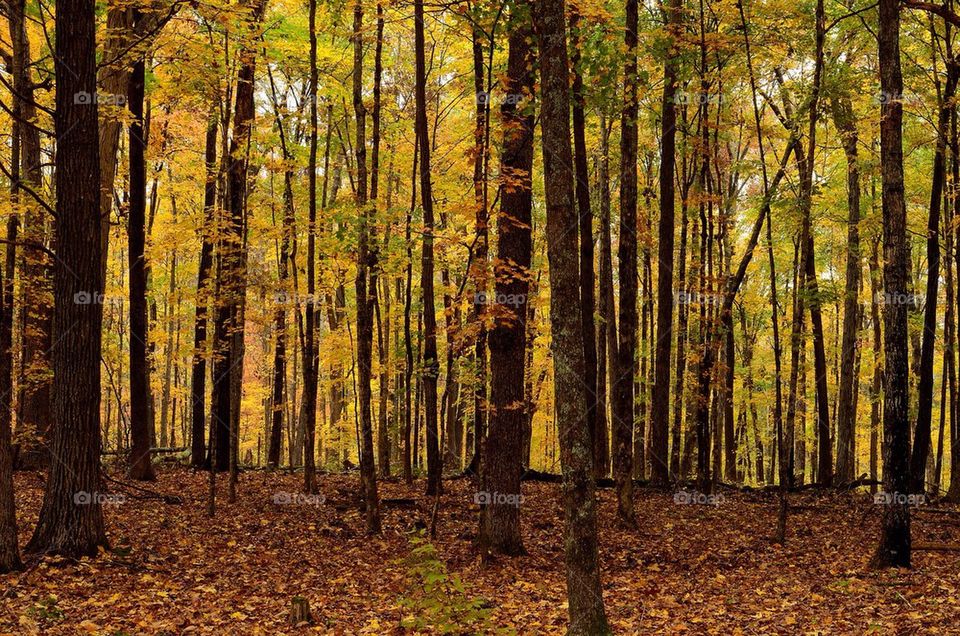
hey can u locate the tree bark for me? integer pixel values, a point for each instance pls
(584, 591)
(71, 518)
(623, 401)
(502, 461)
(139, 462)
(894, 547)
(431, 365)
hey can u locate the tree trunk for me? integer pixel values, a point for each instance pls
(623, 401)
(607, 332)
(660, 407)
(845, 122)
(584, 591)
(200, 345)
(585, 214)
(71, 518)
(894, 547)
(366, 283)
(231, 274)
(502, 461)
(921, 441)
(139, 461)
(431, 365)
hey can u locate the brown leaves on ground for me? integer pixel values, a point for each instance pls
(690, 569)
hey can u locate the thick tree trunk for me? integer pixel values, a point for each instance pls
(502, 461)
(584, 591)
(894, 547)
(71, 518)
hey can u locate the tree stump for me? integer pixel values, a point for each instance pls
(300, 611)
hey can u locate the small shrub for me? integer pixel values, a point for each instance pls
(438, 601)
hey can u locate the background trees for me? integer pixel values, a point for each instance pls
(257, 352)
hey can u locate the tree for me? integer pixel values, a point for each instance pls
(660, 413)
(431, 364)
(366, 286)
(623, 389)
(71, 518)
(584, 592)
(502, 461)
(894, 547)
(198, 370)
(140, 460)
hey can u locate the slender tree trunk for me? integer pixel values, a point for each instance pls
(139, 461)
(366, 282)
(623, 402)
(502, 462)
(845, 122)
(584, 591)
(894, 547)
(660, 407)
(607, 332)
(231, 274)
(198, 369)
(71, 520)
(585, 214)
(921, 442)
(431, 365)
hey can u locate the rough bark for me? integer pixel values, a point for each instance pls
(584, 591)
(894, 547)
(71, 518)
(502, 462)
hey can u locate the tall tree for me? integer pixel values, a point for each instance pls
(139, 462)
(845, 122)
(431, 364)
(231, 257)
(198, 365)
(585, 214)
(921, 441)
(894, 547)
(502, 463)
(366, 284)
(623, 389)
(660, 407)
(310, 352)
(584, 591)
(71, 518)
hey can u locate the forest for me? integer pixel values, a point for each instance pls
(576, 317)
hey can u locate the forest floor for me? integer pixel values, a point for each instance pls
(689, 569)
